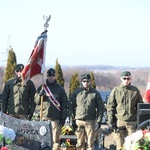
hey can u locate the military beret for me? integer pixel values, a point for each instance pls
(51, 71)
(19, 67)
(125, 73)
(86, 76)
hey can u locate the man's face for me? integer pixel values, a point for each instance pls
(51, 77)
(126, 80)
(86, 83)
(18, 72)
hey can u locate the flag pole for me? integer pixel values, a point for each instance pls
(46, 25)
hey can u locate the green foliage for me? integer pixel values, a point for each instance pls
(11, 62)
(93, 84)
(59, 74)
(74, 83)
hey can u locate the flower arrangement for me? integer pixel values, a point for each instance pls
(140, 140)
(7, 134)
(67, 130)
(67, 145)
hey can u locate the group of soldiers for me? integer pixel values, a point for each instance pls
(85, 107)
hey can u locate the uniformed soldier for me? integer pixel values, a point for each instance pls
(55, 105)
(18, 99)
(122, 108)
(86, 108)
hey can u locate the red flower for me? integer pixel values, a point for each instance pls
(68, 140)
(145, 131)
(4, 148)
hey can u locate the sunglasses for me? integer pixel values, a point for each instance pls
(126, 78)
(86, 81)
(18, 70)
(51, 75)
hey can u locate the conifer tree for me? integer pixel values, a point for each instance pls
(11, 62)
(93, 84)
(59, 73)
(74, 83)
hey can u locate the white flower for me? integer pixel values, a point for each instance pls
(132, 141)
(7, 133)
(137, 136)
(128, 143)
(147, 136)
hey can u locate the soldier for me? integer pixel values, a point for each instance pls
(86, 109)
(55, 104)
(121, 108)
(18, 99)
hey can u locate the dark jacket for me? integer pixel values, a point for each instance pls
(122, 103)
(86, 105)
(49, 110)
(18, 99)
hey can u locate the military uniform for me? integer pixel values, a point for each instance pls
(50, 112)
(18, 100)
(122, 110)
(86, 108)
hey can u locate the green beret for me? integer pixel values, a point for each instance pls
(19, 67)
(51, 71)
(125, 73)
(86, 76)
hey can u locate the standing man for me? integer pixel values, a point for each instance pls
(86, 108)
(18, 99)
(55, 104)
(122, 108)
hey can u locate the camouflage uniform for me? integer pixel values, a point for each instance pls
(122, 110)
(51, 113)
(86, 107)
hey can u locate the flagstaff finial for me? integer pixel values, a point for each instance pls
(46, 19)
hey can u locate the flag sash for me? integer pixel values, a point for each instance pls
(52, 97)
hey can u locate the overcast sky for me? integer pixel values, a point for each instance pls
(81, 32)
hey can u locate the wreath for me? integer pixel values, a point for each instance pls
(140, 140)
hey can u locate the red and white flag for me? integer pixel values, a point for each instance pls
(146, 97)
(36, 62)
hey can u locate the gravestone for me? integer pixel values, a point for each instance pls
(30, 135)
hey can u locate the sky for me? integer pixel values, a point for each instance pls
(80, 32)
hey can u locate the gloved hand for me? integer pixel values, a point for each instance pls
(97, 126)
(62, 122)
(29, 117)
(42, 92)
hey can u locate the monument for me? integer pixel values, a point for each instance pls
(30, 135)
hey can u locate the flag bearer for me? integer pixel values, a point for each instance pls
(55, 104)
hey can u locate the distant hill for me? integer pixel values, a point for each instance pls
(104, 67)
(106, 76)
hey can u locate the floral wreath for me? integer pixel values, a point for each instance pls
(140, 140)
